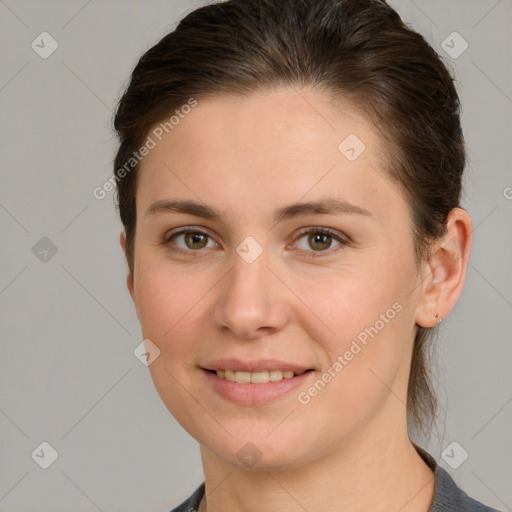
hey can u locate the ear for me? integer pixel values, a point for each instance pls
(129, 277)
(444, 274)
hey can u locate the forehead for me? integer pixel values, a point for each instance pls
(266, 148)
(298, 117)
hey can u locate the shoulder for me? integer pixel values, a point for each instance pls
(191, 504)
(448, 496)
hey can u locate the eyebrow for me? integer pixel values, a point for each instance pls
(324, 206)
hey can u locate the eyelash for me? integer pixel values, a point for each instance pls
(167, 241)
(323, 231)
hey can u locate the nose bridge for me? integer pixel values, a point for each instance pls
(249, 302)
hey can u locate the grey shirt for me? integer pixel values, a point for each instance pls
(448, 497)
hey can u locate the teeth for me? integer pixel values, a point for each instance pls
(275, 375)
(256, 377)
(243, 377)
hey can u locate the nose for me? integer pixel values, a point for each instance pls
(251, 302)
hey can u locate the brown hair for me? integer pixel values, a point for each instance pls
(358, 50)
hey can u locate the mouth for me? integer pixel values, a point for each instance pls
(259, 377)
(255, 383)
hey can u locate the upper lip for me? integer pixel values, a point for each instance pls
(259, 365)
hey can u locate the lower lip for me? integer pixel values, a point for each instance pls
(255, 394)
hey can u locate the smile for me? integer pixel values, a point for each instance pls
(262, 377)
(257, 387)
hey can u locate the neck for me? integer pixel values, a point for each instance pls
(378, 473)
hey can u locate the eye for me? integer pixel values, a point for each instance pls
(190, 240)
(319, 240)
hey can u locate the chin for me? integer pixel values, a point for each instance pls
(260, 451)
(250, 457)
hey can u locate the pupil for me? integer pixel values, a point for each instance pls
(321, 241)
(195, 239)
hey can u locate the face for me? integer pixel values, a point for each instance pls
(269, 243)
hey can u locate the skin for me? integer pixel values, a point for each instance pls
(348, 448)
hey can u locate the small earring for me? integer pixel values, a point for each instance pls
(438, 318)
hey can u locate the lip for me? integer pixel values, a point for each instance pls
(259, 365)
(251, 394)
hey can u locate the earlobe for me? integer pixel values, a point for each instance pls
(446, 271)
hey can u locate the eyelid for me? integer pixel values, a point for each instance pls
(342, 239)
(167, 238)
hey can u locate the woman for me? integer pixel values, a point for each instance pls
(289, 180)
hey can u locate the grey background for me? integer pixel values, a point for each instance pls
(68, 375)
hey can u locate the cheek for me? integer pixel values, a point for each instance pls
(359, 320)
(344, 303)
(167, 302)
(164, 295)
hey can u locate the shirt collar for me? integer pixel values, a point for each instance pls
(447, 495)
